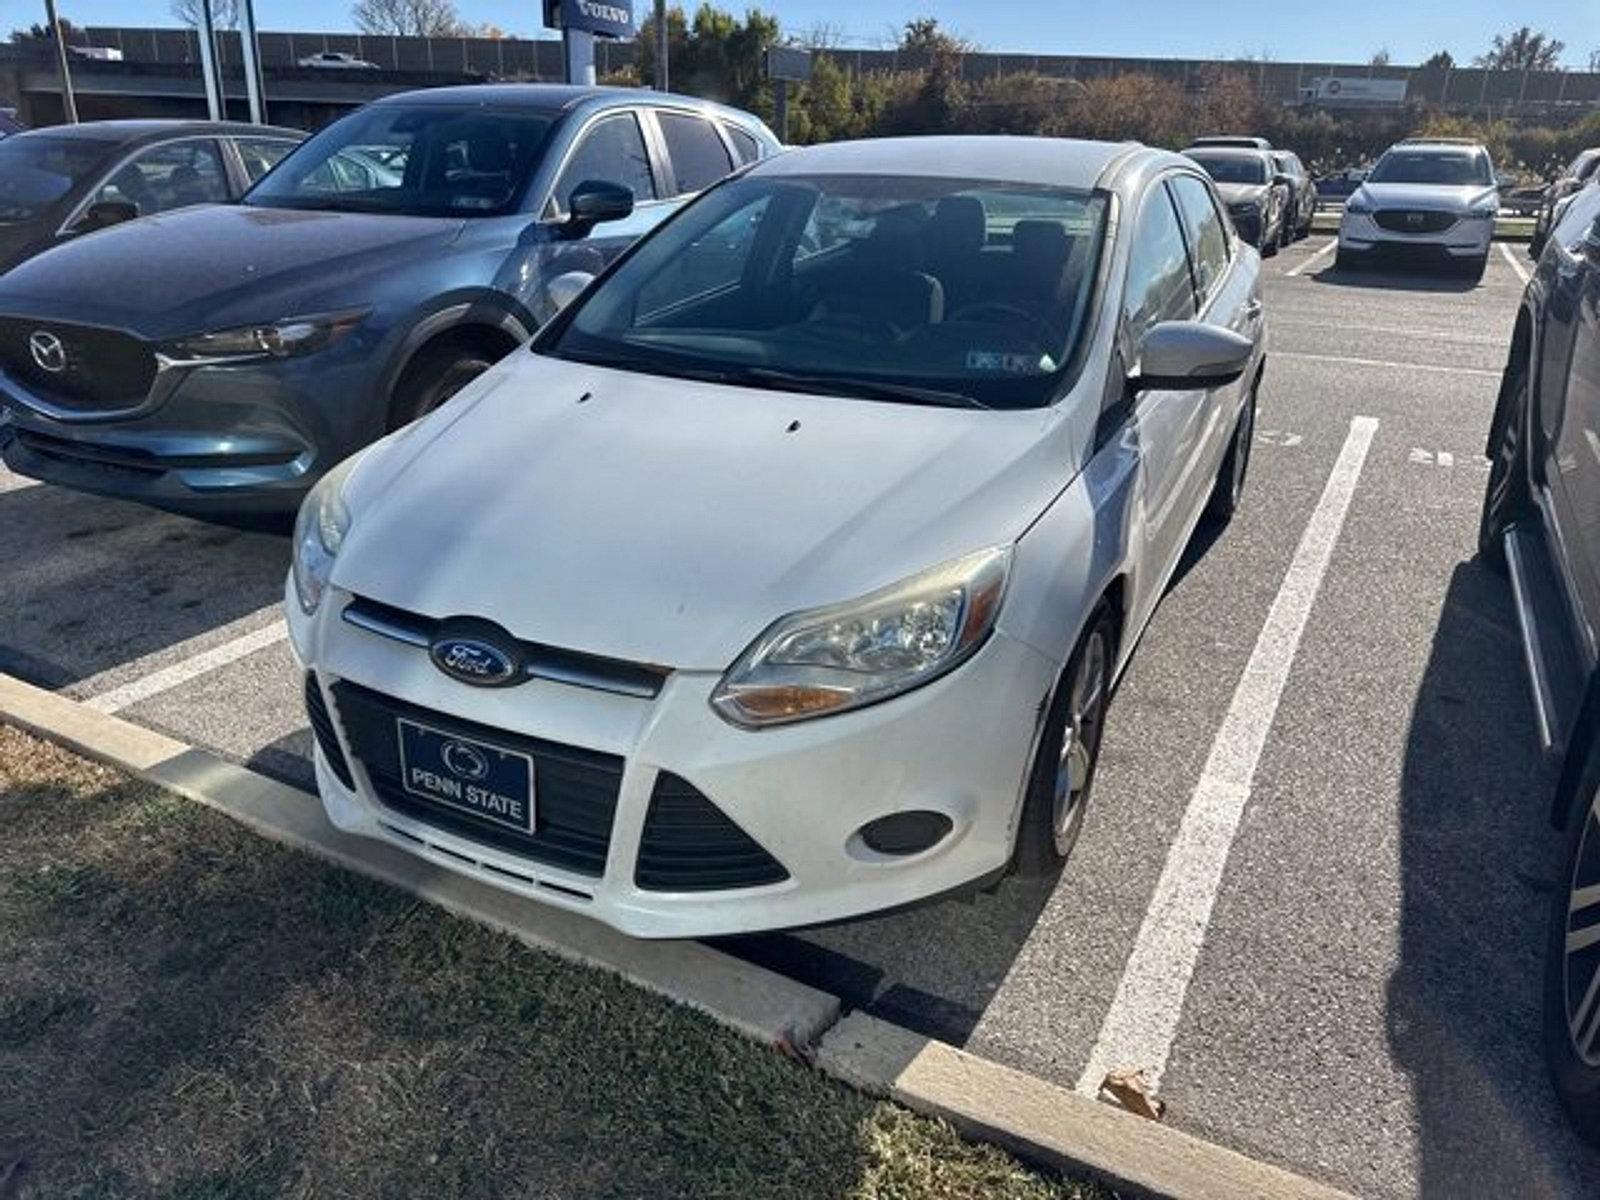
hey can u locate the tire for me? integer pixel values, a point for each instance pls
(1346, 260)
(1062, 773)
(1572, 1029)
(436, 374)
(1505, 496)
(1228, 490)
(1477, 267)
(1272, 240)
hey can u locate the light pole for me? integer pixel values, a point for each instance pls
(254, 87)
(661, 45)
(68, 102)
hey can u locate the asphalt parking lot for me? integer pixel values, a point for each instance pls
(1310, 892)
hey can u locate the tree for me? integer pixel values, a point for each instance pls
(1441, 60)
(224, 13)
(409, 18)
(1523, 50)
(716, 55)
(1594, 60)
(1381, 57)
(924, 35)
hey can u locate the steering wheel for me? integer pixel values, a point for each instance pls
(986, 310)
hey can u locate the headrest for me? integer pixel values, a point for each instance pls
(958, 226)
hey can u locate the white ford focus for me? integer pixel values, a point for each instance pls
(785, 577)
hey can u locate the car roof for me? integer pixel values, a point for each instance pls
(123, 132)
(1441, 146)
(1232, 151)
(552, 97)
(1049, 162)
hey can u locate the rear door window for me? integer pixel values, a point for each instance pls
(698, 156)
(1207, 232)
(744, 145)
(170, 176)
(611, 150)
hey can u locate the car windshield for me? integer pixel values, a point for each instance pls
(37, 171)
(949, 292)
(426, 161)
(1449, 168)
(1233, 168)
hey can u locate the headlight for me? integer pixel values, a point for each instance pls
(1484, 212)
(282, 339)
(831, 659)
(1356, 206)
(319, 533)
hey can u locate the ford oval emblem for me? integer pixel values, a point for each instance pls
(474, 661)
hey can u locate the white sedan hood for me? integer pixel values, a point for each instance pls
(669, 521)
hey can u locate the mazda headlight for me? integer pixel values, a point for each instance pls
(281, 339)
(319, 533)
(827, 660)
(1357, 206)
(1484, 210)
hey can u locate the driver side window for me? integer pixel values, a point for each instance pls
(1159, 286)
(612, 151)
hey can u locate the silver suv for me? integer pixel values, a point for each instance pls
(1431, 195)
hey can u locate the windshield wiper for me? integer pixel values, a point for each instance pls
(866, 389)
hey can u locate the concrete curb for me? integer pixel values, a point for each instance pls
(1037, 1121)
(758, 1003)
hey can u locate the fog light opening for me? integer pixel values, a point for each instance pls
(903, 833)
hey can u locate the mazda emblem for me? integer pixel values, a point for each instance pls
(475, 661)
(48, 351)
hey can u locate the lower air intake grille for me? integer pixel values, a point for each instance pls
(322, 727)
(689, 845)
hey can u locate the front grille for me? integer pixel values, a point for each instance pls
(1413, 220)
(89, 454)
(575, 790)
(322, 728)
(690, 845)
(104, 370)
(539, 661)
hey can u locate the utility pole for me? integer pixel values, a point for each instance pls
(661, 45)
(216, 98)
(69, 103)
(254, 87)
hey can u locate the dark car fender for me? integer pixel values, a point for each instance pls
(489, 310)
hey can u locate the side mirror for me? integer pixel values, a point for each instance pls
(594, 202)
(1283, 180)
(104, 213)
(1189, 355)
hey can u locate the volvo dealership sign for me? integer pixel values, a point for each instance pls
(604, 18)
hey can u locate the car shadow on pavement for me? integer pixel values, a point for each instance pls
(92, 583)
(1478, 860)
(1399, 278)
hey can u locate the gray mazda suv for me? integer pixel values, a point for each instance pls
(216, 361)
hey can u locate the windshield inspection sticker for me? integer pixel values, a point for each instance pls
(1003, 362)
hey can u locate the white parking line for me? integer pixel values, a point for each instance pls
(1309, 259)
(1384, 362)
(1522, 271)
(193, 667)
(1139, 1029)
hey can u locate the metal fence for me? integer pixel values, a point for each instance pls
(1466, 88)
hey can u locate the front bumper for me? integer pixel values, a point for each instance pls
(1465, 238)
(960, 747)
(221, 440)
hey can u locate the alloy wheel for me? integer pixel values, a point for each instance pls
(1581, 961)
(1241, 449)
(1080, 740)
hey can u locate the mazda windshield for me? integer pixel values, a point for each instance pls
(426, 161)
(37, 171)
(966, 293)
(1446, 168)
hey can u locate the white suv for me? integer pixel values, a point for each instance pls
(1435, 194)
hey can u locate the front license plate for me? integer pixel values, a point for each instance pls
(492, 784)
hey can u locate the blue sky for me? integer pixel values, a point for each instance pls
(1348, 30)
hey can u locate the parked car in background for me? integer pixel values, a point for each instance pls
(1234, 140)
(334, 60)
(1338, 185)
(1302, 208)
(1256, 193)
(1433, 197)
(9, 122)
(902, 442)
(1580, 172)
(1539, 527)
(217, 361)
(66, 180)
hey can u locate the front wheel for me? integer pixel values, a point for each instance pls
(1572, 975)
(1069, 750)
(433, 377)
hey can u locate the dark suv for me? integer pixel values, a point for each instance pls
(1541, 526)
(216, 361)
